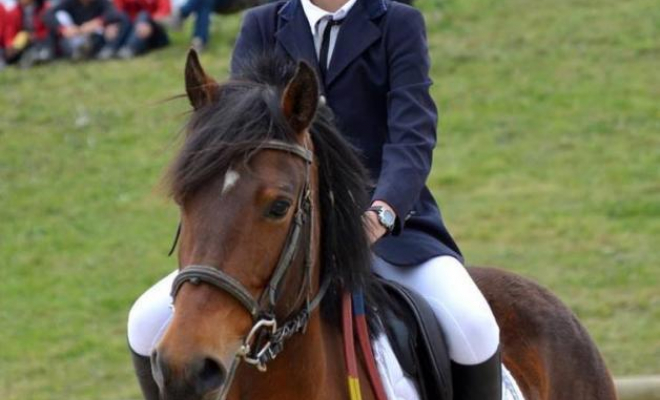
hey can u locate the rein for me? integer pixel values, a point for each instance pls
(354, 322)
(266, 337)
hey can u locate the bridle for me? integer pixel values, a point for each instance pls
(265, 339)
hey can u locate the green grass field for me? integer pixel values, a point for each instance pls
(548, 165)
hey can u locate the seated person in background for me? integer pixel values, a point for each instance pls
(88, 28)
(26, 39)
(148, 31)
(202, 10)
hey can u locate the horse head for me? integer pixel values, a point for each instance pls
(246, 184)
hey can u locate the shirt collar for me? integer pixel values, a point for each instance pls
(315, 13)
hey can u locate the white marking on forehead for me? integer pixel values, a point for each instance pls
(231, 177)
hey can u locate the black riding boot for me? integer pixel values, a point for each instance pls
(142, 366)
(478, 382)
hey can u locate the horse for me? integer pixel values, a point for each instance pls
(271, 235)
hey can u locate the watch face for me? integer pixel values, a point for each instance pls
(387, 218)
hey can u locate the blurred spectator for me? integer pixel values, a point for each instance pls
(88, 28)
(2, 37)
(8, 4)
(148, 31)
(202, 10)
(26, 38)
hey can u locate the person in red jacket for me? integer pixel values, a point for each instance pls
(148, 33)
(26, 38)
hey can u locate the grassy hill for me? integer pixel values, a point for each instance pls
(548, 165)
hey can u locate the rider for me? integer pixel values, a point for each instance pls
(373, 62)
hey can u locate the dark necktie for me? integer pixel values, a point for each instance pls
(325, 47)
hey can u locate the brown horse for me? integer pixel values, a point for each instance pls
(271, 201)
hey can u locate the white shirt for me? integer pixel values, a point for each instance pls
(318, 18)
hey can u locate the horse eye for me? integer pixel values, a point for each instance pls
(279, 208)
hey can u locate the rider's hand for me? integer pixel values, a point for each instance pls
(374, 228)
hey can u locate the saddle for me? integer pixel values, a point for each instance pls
(418, 341)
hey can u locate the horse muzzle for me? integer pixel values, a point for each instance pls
(202, 377)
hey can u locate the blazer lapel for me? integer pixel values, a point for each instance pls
(295, 36)
(356, 34)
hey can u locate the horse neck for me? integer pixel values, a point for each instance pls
(310, 367)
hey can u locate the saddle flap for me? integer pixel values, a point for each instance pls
(418, 341)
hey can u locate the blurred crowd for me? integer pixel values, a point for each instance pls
(38, 31)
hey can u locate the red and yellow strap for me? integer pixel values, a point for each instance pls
(354, 305)
(349, 348)
(365, 346)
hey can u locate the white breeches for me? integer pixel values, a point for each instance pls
(150, 316)
(470, 328)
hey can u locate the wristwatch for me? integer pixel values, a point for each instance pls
(386, 218)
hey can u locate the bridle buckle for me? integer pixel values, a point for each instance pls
(256, 356)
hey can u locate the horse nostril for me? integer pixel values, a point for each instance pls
(209, 375)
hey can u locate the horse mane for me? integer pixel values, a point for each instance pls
(248, 113)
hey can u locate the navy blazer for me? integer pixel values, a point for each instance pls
(377, 84)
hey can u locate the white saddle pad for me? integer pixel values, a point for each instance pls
(399, 387)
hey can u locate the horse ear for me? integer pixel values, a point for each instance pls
(201, 88)
(301, 98)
